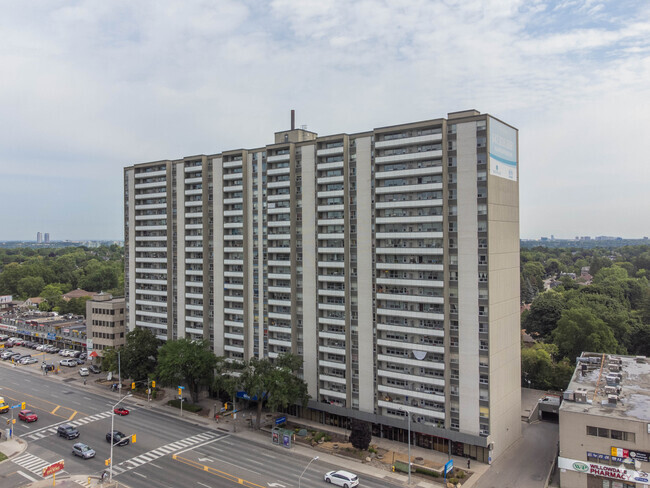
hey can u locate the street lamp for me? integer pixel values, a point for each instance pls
(110, 476)
(408, 414)
(303, 471)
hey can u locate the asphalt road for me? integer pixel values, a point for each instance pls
(169, 452)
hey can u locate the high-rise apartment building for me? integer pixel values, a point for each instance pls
(39, 237)
(387, 259)
(47, 238)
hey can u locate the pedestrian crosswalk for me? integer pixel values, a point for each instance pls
(32, 463)
(84, 482)
(170, 448)
(51, 430)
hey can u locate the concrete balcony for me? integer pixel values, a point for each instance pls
(408, 141)
(434, 202)
(415, 156)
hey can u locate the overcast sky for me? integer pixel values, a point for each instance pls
(89, 87)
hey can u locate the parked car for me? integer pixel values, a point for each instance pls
(83, 372)
(29, 360)
(79, 361)
(83, 450)
(119, 439)
(94, 369)
(18, 356)
(83, 355)
(121, 411)
(47, 367)
(68, 362)
(28, 416)
(342, 478)
(6, 355)
(67, 431)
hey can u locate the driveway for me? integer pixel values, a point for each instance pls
(527, 463)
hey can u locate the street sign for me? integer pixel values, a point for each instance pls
(281, 420)
(449, 465)
(52, 468)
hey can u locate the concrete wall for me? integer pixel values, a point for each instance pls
(309, 271)
(364, 276)
(217, 216)
(468, 342)
(504, 320)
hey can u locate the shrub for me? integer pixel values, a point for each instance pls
(453, 481)
(361, 434)
(318, 436)
(460, 475)
(372, 449)
(328, 438)
(190, 407)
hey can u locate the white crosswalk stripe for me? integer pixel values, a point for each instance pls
(85, 482)
(48, 431)
(164, 450)
(31, 463)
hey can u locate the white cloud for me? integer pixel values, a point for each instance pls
(94, 86)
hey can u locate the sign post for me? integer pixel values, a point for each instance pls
(52, 469)
(180, 396)
(449, 465)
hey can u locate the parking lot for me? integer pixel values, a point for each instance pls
(48, 362)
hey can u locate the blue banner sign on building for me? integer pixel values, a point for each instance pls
(503, 150)
(51, 336)
(281, 420)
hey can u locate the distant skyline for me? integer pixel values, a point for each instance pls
(92, 87)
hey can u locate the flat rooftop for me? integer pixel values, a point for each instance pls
(610, 385)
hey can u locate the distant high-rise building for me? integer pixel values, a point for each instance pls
(39, 237)
(47, 237)
(387, 259)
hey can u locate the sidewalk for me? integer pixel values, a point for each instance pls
(261, 437)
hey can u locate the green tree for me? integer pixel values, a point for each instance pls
(139, 356)
(75, 306)
(544, 313)
(53, 294)
(275, 384)
(185, 362)
(109, 360)
(580, 330)
(30, 286)
(537, 365)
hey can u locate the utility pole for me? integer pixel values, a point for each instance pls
(119, 375)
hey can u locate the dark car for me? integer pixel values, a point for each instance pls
(94, 369)
(79, 360)
(119, 439)
(83, 355)
(67, 431)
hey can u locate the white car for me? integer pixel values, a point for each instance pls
(68, 362)
(28, 361)
(342, 478)
(83, 372)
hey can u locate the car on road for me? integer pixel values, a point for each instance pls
(82, 450)
(68, 362)
(83, 372)
(29, 360)
(121, 411)
(67, 431)
(28, 416)
(119, 439)
(342, 478)
(94, 369)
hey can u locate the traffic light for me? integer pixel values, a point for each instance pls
(153, 384)
(133, 385)
(180, 392)
(22, 406)
(107, 462)
(225, 405)
(133, 438)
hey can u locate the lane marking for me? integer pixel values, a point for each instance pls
(201, 445)
(220, 474)
(26, 476)
(54, 411)
(73, 415)
(140, 474)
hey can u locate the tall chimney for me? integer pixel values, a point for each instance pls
(293, 119)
